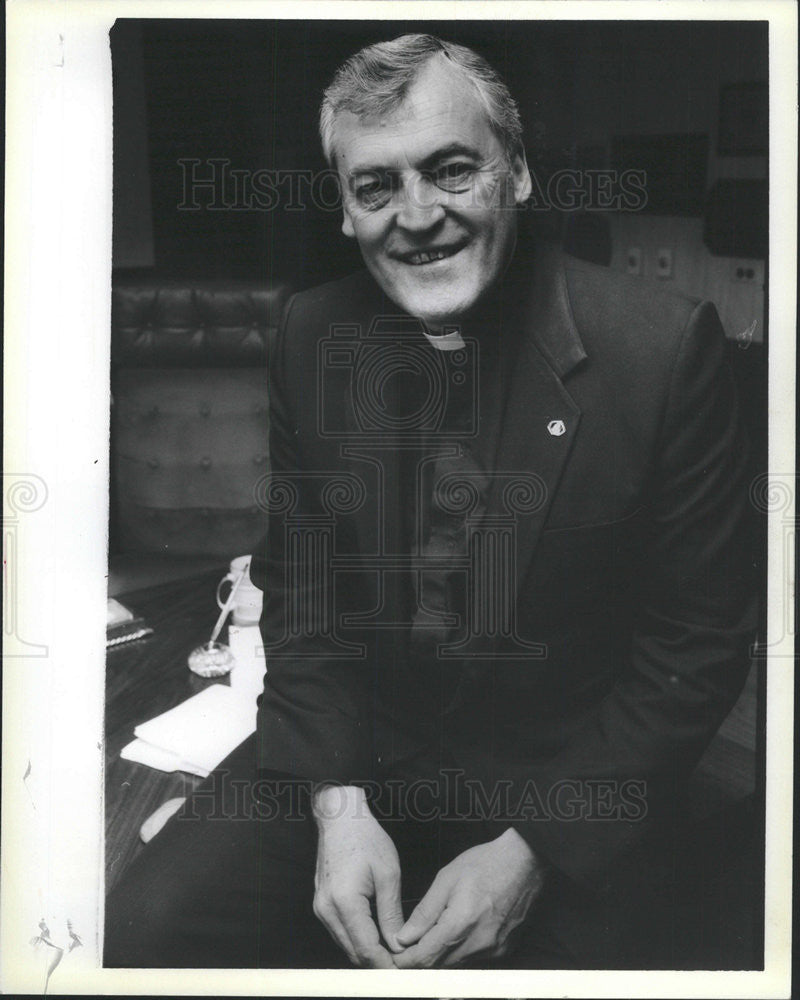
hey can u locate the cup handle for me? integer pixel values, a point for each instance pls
(229, 578)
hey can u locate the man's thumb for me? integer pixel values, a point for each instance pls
(390, 910)
(425, 915)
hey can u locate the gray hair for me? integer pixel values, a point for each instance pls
(375, 81)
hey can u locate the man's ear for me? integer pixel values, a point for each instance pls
(521, 177)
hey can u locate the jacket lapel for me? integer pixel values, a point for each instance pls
(541, 418)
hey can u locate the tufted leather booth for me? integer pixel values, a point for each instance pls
(189, 412)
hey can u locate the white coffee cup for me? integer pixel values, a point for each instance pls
(248, 600)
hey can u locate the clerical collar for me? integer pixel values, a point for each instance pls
(452, 341)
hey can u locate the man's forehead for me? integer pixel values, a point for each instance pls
(440, 110)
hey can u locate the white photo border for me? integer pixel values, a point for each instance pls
(57, 323)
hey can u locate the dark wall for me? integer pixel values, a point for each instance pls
(245, 94)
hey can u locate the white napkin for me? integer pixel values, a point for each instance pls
(197, 735)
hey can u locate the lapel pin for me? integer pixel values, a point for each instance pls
(556, 428)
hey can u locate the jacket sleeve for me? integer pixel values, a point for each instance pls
(695, 620)
(310, 718)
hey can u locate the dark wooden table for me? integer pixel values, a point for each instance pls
(143, 679)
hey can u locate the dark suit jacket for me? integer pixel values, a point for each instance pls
(632, 585)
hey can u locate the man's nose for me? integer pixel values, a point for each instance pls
(421, 207)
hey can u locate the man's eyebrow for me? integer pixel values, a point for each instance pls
(451, 149)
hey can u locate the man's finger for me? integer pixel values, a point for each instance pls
(436, 945)
(333, 925)
(357, 920)
(425, 913)
(390, 909)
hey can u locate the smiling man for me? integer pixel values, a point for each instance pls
(429, 190)
(507, 601)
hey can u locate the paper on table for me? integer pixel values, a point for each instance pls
(162, 760)
(117, 613)
(197, 735)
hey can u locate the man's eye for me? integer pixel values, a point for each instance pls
(372, 193)
(453, 176)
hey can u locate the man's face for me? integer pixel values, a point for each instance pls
(430, 195)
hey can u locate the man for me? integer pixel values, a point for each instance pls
(506, 593)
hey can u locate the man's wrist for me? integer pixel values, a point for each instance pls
(331, 802)
(513, 840)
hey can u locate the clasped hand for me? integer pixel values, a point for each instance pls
(470, 909)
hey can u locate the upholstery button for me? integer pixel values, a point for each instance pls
(205, 512)
(153, 463)
(259, 459)
(205, 409)
(154, 411)
(206, 462)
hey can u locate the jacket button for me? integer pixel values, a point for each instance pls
(205, 409)
(206, 463)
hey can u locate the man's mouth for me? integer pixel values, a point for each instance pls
(418, 257)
